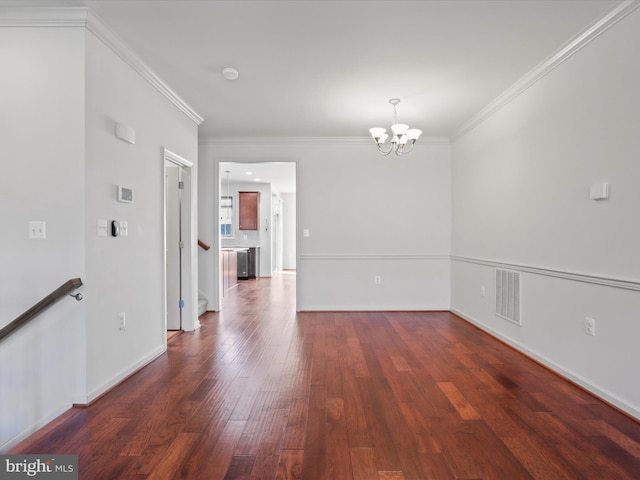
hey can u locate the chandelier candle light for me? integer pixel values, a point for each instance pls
(402, 135)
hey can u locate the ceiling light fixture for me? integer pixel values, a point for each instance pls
(402, 135)
(230, 73)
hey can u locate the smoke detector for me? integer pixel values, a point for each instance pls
(230, 73)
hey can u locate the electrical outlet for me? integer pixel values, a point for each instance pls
(122, 321)
(377, 279)
(590, 326)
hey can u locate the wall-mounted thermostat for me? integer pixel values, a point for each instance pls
(125, 194)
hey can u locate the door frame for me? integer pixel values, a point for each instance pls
(217, 303)
(189, 265)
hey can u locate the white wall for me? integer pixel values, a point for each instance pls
(367, 215)
(62, 90)
(125, 274)
(288, 216)
(42, 141)
(208, 229)
(520, 197)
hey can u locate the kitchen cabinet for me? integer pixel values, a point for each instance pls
(249, 210)
(228, 269)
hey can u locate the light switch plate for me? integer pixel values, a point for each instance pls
(101, 226)
(38, 230)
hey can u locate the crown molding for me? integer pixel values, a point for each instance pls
(96, 26)
(41, 16)
(613, 16)
(280, 140)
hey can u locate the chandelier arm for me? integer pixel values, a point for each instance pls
(410, 148)
(385, 152)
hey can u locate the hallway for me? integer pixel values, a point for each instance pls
(262, 392)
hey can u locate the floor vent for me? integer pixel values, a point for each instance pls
(508, 295)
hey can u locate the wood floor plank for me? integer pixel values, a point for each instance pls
(464, 408)
(263, 392)
(338, 454)
(290, 465)
(240, 467)
(363, 464)
(314, 465)
(177, 455)
(202, 465)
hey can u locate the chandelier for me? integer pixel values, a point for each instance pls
(402, 135)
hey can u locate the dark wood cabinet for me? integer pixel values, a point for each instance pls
(249, 208)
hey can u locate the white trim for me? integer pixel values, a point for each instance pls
(596, 390)
(177, 159)
(375, 308)
(383, 256)
(600, 26)
(190, 320)
(96, 26)
(275, 140)
(625, 284)
(12, 442)
(133, 368)
(83, 17)
(15, 16)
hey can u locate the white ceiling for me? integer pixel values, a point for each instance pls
(328, 68)
(281, 175)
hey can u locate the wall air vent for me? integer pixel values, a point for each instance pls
(508, 295)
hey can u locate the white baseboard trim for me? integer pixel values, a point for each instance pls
(601, 393)
(12, 442)
(374, 308)
(376, 256)
(84, 400)
(116, 379)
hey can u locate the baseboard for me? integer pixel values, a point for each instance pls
(120, 377)
(369, 308)
(581, 382)
(12, 442)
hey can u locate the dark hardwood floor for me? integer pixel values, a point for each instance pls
(260, 392)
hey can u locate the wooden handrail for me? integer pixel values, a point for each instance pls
(63, 290)
(203, 245)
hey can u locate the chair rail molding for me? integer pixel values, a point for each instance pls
(626, 284)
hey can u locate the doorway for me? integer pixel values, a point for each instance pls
(180, 273)
(275, 238)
